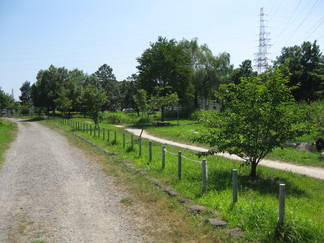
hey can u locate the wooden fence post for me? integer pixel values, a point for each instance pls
(204, 174)
(124, 140)
(139, 147)
(179, 165)
(108, 139)
(103, 134)
(150, 152)
(132, 142)
(115, 136)
(90, 130)
(234, 181)
(98, 132)
(282, 195)
(163, 157)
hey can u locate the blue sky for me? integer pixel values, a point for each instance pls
(85, 34)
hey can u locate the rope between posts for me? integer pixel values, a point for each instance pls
(195, 161)
(199, 162)
(170, 152)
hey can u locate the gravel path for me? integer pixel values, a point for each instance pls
(50, 192)
(315, 172)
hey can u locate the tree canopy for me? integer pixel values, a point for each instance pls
(259, 115)
(306, 66)
(165, 64)
(209, 71)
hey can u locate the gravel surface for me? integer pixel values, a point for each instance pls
(50, 192)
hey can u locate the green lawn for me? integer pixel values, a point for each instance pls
(256, 211)
(185, 133)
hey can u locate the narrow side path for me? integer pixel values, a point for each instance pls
(315, 172)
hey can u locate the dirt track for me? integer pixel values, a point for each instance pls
(50, 192)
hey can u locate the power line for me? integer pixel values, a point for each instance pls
(301, 23)
(289, 18)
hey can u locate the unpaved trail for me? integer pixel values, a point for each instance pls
(50, 192)
(315, 172)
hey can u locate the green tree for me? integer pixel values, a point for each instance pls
(164, 64)
(93, 100)
(25, 96)
(127, 90)
(259, 115)
(47, 90)
(4, 100)
(209, 71)
(108, 83)
(164, 97)
(245, 70)
(306, 65)
(141, 101)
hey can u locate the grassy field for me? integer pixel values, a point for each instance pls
(256, 211)
(7, 134)
(185, 134)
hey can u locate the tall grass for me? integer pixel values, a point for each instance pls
(256, 211)
(7, 134)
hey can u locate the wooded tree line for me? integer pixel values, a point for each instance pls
(169, 72)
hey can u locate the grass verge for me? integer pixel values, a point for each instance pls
(7, 134)
(256, 211)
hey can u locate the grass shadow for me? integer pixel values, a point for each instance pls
(222, 180)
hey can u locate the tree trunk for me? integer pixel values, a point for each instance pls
(253, 169)
(162, 114)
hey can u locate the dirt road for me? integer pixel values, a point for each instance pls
(310, 171)
(49, 191)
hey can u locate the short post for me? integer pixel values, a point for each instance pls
(150, 152)
(204, 174)
(94, 131)
(139, 147)
(103, 134)
(124, 140)
(108, 139)
(179, 164)
(234, 181)
(163, 157)
(90, 130)
(99, 132)
(132, 142)
(282, 194)
(115, 136)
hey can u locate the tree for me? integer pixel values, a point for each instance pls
(127, 89)
(306, 65)
(141, 101)
(259, 115)
(4, 100)
(108, 83)
(163, 97)
(165, 64)
(25, 96)
(93, 100)
(47, 90)
(209, 71)
(245, 70)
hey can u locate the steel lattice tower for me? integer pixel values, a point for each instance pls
(261, 56)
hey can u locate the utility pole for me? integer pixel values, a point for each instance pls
(261, 56)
